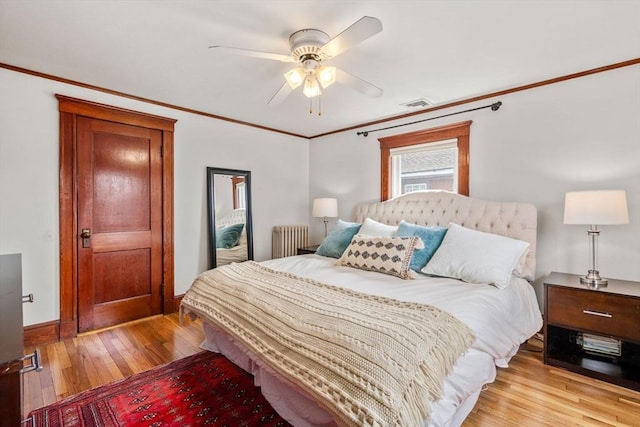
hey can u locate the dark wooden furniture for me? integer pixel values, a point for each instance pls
(11, 350)
(308, 250)
(11, 341)
(572, 309)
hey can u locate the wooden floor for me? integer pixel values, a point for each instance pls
(96, 358)
(528, 393)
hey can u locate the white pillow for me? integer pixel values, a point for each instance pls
(476, 257)
(377, 229)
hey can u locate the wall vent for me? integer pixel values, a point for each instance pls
(418, 103)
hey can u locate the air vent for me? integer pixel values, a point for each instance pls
(418, 103)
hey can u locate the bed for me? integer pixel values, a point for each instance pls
(493, 319)
(237, 253)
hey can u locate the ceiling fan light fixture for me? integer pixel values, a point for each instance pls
(311, 87)
(309, 48)
(326, 76)
(295, 77)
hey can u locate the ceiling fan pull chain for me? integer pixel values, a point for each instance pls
(310, 105)
(319, 105)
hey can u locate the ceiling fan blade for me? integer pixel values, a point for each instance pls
(253, 53)
(358, 32)
(281, 94)
(358, 84)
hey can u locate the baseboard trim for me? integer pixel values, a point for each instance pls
(42, 333)
(177, 299)
(49, 332)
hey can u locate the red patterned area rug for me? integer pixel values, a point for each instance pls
(205, 389)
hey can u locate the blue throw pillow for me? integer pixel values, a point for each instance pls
(431, 237)
(337, 241)
(229, 236)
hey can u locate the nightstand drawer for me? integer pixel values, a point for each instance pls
(594, 311)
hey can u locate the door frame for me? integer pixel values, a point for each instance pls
(70, 109)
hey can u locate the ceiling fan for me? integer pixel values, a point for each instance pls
(309, 49)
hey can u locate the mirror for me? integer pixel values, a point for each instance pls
(229, 216)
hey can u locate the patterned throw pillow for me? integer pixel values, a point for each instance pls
(388, 255)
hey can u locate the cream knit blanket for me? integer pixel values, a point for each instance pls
(368, 360)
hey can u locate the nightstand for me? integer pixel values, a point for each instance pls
(308, 250)
(583, 328)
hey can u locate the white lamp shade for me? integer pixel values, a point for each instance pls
(602, 207)
(311, 87)
(325, 207)
(295, 77)
(326, 76)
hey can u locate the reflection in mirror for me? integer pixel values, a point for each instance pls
(229, 216)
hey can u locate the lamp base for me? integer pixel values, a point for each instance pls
(593, 280)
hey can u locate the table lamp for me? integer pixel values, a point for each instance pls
(325, 207)
(593, 208)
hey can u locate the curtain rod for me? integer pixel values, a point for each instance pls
(494, 107)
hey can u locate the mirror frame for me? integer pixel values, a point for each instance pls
(211, 210)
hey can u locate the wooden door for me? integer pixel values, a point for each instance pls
(119, 245)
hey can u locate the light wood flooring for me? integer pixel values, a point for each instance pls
(528, 393)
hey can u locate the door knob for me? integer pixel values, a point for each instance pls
(86, 237)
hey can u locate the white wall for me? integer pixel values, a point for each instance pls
(223, 188)
(579, 134)
(29, 182)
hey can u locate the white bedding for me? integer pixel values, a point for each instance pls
(239, 252)
(235, 254)
(501, 318)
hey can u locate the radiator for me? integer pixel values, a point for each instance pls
(286, 239)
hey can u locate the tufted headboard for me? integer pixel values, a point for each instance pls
(236, 216)
(436, 207)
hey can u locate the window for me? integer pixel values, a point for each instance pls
(435, 158)
(431, 166)
(408, 188)
(239, 192)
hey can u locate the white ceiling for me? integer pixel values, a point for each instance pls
(439, 50)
